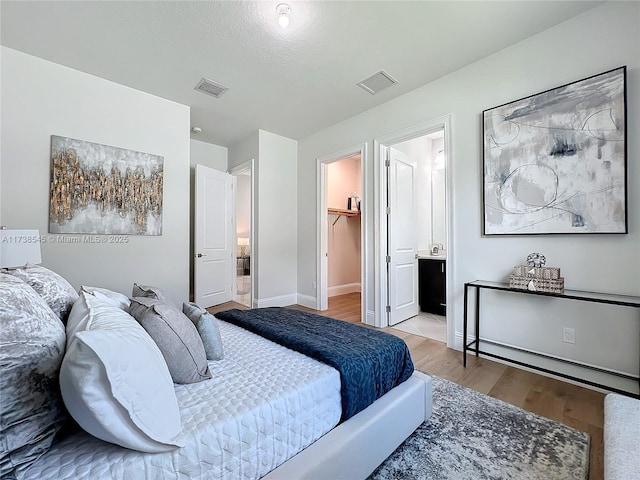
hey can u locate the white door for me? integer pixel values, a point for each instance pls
(403, 237)
(214, 254)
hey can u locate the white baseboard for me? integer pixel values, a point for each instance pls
(280, 301)
(370, 318)
(307, 301)
(457, 340)
(343, 289)
(505, 349)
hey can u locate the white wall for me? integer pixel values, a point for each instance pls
(243, 207)
(274, 253)
(277, 220)
(565, 53)
(209, 155)
(438, 195)
(243, 151)
(343, 180)
(40, 99)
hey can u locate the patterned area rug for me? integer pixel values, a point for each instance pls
(474, 436)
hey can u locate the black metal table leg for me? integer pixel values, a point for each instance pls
(464, 328)
(477, 326)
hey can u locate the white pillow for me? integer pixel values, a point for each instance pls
(78, 318)
(79, 315)
(115, 382)
(117, 299)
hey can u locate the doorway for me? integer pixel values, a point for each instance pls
(344, 179)
(341, 208)
(419, 241)
(245, 258)
(427, 153)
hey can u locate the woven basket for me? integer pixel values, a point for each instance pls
(553, 285)
(546, 273)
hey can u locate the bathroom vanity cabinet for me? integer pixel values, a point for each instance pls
(432, 274)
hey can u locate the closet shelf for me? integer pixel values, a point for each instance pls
(342, 213)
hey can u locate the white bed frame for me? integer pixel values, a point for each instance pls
(354, 449)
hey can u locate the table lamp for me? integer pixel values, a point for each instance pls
(19, 248)
(243, 242)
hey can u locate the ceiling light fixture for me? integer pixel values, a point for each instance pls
(283, 10)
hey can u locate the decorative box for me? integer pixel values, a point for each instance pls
(535, 277)
(531, 283)
(546, 273)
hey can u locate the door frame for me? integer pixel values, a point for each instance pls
(253, 269)
(322, 293)
(380, 147)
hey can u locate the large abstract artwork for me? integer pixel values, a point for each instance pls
(555, 162)
(99, 189)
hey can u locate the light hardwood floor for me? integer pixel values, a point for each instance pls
(575, 406)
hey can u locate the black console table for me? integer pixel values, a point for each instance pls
(474, 346)
(243, 265)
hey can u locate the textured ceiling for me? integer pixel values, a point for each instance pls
(291, 82)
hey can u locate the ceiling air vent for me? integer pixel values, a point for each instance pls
(377, 82)
(211, 88)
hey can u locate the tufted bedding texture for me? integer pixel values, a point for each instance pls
(264, 404)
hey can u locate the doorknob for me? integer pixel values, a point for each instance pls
(200, 255)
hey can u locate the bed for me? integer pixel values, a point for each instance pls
(267, 412)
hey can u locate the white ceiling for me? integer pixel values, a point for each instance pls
(292, 82)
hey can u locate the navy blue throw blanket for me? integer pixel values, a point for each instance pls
(370, 362)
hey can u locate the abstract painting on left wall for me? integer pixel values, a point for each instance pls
(100, 189)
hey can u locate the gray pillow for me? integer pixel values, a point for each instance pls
(176, 337)
(147, 291)
(32, 342)
(56, 291)
(207, 326)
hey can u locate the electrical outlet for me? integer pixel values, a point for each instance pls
(568, 335)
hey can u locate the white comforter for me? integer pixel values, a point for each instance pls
(264, 404)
